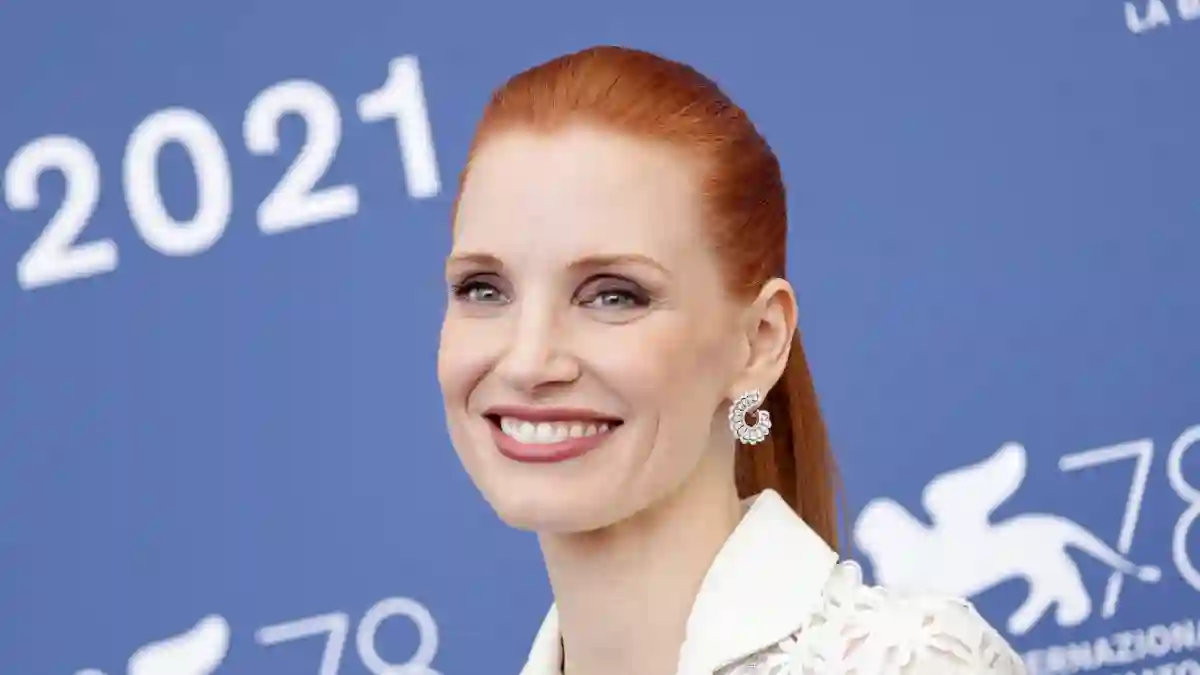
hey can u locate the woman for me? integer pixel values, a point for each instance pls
(617, 298)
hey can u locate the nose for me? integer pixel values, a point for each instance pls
(536, 355)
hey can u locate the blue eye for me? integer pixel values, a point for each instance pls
(614, 300)
(475, 290)
(614, 293)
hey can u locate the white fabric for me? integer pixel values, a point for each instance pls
(776, 601)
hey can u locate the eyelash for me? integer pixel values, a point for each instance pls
(462, 289)
(635, 298)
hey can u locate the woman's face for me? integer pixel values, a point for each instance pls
(588, 346)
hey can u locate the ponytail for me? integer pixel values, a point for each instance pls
(795, 460)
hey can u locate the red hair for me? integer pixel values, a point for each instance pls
(648, 96)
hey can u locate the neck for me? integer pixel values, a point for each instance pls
(624, 593)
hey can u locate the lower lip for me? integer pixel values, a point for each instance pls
(546, 453)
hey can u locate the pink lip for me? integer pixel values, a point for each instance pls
(547, 453)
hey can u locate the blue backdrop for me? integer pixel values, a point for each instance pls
(221, 243)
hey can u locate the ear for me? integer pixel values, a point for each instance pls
(770, 331)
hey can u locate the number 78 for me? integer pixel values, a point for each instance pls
(336, 627)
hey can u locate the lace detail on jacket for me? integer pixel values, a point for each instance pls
(865, 630)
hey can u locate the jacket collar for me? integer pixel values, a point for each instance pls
(765, 581)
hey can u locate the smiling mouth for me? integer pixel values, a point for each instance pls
(547, 433)
(541, 441)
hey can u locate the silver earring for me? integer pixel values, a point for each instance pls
(749, 402)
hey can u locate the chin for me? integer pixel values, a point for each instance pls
(551, 512)
(584, 493)
(558, 497)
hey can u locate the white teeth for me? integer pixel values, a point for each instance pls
(548, 432)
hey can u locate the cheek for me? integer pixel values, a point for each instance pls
(461, 361)
(664, 363)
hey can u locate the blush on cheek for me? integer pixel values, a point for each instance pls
(702, 364)
(683, 357)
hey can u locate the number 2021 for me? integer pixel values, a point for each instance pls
(57, 256)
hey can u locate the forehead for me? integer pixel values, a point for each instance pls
(580, 191)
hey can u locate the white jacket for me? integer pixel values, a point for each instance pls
(777, 601)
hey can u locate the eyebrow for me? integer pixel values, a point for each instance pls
(589, 262)
(481, 259)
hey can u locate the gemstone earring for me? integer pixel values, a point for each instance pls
(749, 434)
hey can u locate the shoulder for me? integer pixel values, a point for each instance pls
(859, 629)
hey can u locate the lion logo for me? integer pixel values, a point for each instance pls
(963, 552)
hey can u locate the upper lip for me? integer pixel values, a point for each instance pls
(548, 414)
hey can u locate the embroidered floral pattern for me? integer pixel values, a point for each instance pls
(864, 630)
